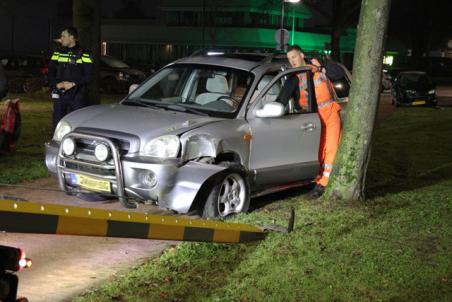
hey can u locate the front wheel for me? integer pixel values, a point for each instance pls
(229, 195)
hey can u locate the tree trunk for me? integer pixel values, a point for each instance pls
(347, 181)
(86, 16)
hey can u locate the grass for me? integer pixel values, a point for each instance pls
(27, 162)
(395, 247)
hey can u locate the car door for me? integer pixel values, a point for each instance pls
(283, 149)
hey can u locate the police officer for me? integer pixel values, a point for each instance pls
(70, 70)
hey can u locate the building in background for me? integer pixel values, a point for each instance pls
(176, 28)
(153, 33)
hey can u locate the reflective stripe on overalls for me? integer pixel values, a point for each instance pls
(303, 88)
(329, 113)
(322, 92)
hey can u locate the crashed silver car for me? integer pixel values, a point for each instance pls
(204, 133)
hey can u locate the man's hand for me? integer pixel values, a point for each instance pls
(65, 85)
(314, 68)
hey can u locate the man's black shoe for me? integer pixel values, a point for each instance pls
(316, 192)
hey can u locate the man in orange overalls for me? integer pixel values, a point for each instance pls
(329, 113)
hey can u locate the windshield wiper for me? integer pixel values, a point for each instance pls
(143, 103)
(186, 109)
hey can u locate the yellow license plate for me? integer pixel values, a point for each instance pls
(418, 103)
(92, 183)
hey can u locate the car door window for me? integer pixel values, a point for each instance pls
(288, 84)
(342, 86)
(271, 94)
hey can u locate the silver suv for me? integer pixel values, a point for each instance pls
(204, 133)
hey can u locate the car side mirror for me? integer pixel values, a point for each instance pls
(273, 109)
(132, 88)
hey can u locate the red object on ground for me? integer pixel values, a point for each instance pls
(10, 126)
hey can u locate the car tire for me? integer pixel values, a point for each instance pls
(229, 194)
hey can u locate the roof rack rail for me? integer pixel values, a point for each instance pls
(207, 51)
(257, 56)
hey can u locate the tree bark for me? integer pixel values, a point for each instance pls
(86, 17)
(347, 181)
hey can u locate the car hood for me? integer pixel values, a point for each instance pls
(132, 71)
(146, 123)
(420, 87)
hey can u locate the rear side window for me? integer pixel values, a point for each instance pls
(342, 88)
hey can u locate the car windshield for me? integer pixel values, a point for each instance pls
(415, 80)
(113, 62)
(213, 90)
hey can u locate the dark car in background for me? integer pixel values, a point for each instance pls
(116, 76)
(413, 88)
(25, 73)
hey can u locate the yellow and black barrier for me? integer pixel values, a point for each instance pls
(39, 218)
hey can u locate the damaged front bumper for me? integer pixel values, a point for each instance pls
(169, 183)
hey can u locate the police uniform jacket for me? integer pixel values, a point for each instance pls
(72, 65)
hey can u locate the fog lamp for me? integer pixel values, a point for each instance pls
(68, 146)
(101, 152)
(150, 179)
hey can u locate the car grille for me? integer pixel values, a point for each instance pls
(84, 163)
(97, 170)
(87, 146)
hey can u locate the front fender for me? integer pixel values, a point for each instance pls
(190, 179)
(199, 145)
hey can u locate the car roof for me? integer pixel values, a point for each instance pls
(243, 61)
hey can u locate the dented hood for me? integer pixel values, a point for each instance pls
(146, 123)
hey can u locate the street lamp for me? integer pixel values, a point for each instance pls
(281, 30)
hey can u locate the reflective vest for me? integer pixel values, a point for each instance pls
(69, 57)
(70, 64)
(303, 88)
(322, 87)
